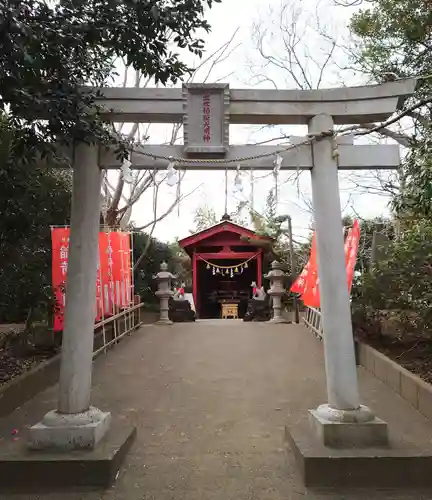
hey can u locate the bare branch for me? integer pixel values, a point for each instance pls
(348, 3)
(381, 183)
(419, 117)
(325, 63)
(169, 210)
(399, 137)
(150, 234)
(263, 78)
(222, 54)
(287, 48)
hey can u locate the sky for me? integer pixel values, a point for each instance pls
(316, 23)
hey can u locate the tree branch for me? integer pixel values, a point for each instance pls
(169, 210)
(402, 139)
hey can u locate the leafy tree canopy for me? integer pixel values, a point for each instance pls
(205, 217)
(50, 49)
(367, 229)
(395, 37)
(182, 265)
(32, 197)
(401, 284)
(156, 252)
(269, 223)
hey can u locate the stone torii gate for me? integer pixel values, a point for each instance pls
(206, 110)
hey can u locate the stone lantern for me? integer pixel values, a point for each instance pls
(276, 291)
(164, 292)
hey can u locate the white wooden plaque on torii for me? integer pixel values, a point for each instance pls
(206, 118)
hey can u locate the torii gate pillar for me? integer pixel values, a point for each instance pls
(75, 424)
(342, 387)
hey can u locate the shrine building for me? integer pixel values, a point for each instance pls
(226, 259)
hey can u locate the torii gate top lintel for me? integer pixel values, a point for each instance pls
(347, 105)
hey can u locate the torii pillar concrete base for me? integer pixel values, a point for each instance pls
(69, 431)
(358, 429)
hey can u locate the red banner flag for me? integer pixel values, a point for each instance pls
(121, 268)
(351, 251)
(60, 252)
(300, 283)
(99, 295)
(308, 282)
(106, 278)
(114, 278)
(116, 266)
(129, 269)
(311, 296)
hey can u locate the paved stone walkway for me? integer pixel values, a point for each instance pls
(210, 400)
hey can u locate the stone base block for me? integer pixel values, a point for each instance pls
(349, 434)
(394, 466)
(27, 471)
(164, 322)
(64, 432)
(278, 321)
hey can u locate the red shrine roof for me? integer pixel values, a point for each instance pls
(224, 226)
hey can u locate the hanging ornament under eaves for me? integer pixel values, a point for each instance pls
(178, 194)
(276, 167)
(238, 184)
(277, 163)
(126, 173)
(171, 175)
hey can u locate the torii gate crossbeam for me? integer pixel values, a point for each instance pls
(350, 157)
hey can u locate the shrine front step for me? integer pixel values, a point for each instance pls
(26, 471)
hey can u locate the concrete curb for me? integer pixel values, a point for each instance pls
(20, 389)
(410, 387)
